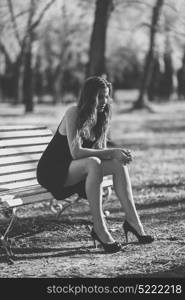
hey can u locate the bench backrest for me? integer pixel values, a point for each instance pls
(20, 149)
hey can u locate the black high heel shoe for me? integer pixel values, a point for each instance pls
(108, 247)
(143, 239)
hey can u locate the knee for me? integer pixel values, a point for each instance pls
(118, 166)
(94, 164)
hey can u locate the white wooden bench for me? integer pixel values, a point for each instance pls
(20, 149)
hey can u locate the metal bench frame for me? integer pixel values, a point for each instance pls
(20, 150)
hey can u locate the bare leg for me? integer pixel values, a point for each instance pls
(91, 169)
(123, 189)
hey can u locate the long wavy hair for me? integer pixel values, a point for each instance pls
(91, 123)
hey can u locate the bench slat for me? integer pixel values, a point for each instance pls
(15, 202)
(20, 177)
(6, 128)
(18, 168)
(25, 190)
(29, 191)
(16, 177)
(19, 184)
(107, 182)
(22, 150)
(37, 198)
(31, 199)
(24, 142)
(24, 133)
(32, 186)
(29, 183)
(19, 159)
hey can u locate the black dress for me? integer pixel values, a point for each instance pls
(53, 167)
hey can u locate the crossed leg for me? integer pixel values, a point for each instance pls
(90, 168)
(93, 169)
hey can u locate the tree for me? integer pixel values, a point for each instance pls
(167, 78)
(96, 64)
(23, 70)
(155, 79)
(142, 100)
(63, 43)
(181, 80)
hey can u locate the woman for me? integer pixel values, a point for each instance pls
(76, 160)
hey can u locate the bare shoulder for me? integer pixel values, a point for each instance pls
(70, 123)
(71, 112)
(68, 120)
(71, 117)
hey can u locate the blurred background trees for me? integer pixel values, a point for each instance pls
(47, 48)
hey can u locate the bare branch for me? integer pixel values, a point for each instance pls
(31, 26)
(31, 11)
(172, 7)
(22, 13)
(5, 52)
(30, 17)
(131, 3)
(13, 19)
(178, 33)
(36, 23)
(144, 24)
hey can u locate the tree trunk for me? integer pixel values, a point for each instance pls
(181, 80)
(167, 84)
(154, 84)
(96, 65)
(57, 86)
(9, 78)
(18, 78)
(142, 99)
(28, 78)
(27, 61)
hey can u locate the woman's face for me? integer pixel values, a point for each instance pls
(102, 99)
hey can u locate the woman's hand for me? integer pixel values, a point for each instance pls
(127, 152)
(124, 156)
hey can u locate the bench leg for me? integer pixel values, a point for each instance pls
(106, 195)
(6, 246)
(55, 207)
(69, 204)
(58, 208)
(5, 242)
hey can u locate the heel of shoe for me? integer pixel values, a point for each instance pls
(109, 248)
(142, 239)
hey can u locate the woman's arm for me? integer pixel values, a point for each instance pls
(75, 145)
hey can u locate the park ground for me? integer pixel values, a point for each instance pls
(45, 246)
